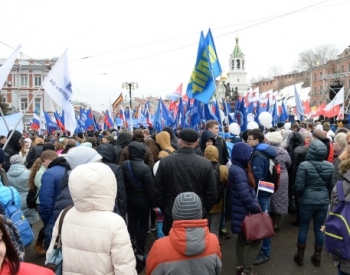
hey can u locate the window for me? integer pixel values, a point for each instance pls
(24, 80)
(37, 104)
(314, 77)
(24, 103)
(315, 92)
(321, 75)
(37, 80)
(342, 68)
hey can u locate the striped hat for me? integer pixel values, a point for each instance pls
(187, 206)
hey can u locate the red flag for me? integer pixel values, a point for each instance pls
(333, 112)
(306, 106)
(320, 110)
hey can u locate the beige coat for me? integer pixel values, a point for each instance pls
(94, 239)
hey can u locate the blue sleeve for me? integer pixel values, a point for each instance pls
(46, 196)
(259, 168)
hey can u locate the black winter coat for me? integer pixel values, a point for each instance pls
(108, 158)
(12, 148)
(139, 183)
(184, 171)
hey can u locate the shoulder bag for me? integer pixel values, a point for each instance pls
(55, 260)
(257, 226)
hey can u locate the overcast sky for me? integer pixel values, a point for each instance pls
(154, 43)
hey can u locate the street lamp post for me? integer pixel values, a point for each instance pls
(130, 86)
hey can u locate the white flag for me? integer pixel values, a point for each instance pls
(341, 113)
(254, 95)
(59, 87)
(5, 69)
(338, 99)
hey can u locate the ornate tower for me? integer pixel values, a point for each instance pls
(237, 76)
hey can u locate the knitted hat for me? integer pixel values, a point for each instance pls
(187, 206)
(81, 155)
(189, 135)
(287, 126)
(318, 133)
(326, 126)
(2, 156)
(340, 139)
(16, 159)
(280, 124)
(319, 126)
(274, 137)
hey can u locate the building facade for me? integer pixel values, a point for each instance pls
(22, 86)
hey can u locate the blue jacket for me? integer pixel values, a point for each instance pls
(50, 189)
(243, 198)
(260, 165)
(18, 176)
(5, 195)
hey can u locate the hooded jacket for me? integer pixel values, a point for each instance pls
(189, 249)
(94, 239)
(108, 158)
(18, 177)
(122, 141)
(314, 176)
(203, 140)
(211, 153)
(50, 188)
(12, 148)
(148, 157)
(243, 197)
(173, 139)
(138, 183)
(260, 165)
(163, 140)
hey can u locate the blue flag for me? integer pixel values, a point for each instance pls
(250, 108)
(298, 104)
(257, 112)
(166, 115)
(243, 122)
(217, 113)
(207, 114)
(268, 105)
(195, 115)
(157, 123)
(202, 84)
(89, 119)
(284, 114)
(51, 126)
(82, 118)
(275, 114)
(213, 57)
(97, 126)
(180, 118)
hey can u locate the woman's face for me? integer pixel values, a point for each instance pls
(2, 249)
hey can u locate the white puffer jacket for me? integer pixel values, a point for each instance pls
(94, 239)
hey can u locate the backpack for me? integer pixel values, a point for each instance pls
(337, 235)
(17, 217)
(274, 173)
(220, 187)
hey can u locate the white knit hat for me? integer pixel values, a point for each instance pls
(80, 155)
(274, 137)
(16, 159)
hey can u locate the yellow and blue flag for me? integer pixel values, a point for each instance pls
(213, 57)
(202, 83)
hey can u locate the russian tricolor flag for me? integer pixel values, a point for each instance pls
(35, 123)
(266, 186)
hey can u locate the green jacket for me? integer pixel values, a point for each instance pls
(314, 176)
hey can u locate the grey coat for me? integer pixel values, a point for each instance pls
(279, 200)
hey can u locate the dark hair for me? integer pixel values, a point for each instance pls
(244, 135)
(47, 140)
(257, 134)
(11, 253)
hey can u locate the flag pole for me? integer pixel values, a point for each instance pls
(21, 118)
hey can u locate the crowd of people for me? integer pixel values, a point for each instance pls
(119, 182)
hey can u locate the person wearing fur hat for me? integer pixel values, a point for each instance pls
(138, 136)
(190, 248)
(279, 199)
(18, 177)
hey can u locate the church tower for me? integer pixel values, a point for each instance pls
(237, 76)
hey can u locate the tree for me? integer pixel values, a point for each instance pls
(274, 71)
(4, 107)
(310, 59)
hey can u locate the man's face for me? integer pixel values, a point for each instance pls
(3, 141)
(214, 130)
(46, 163)
(252, 142)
